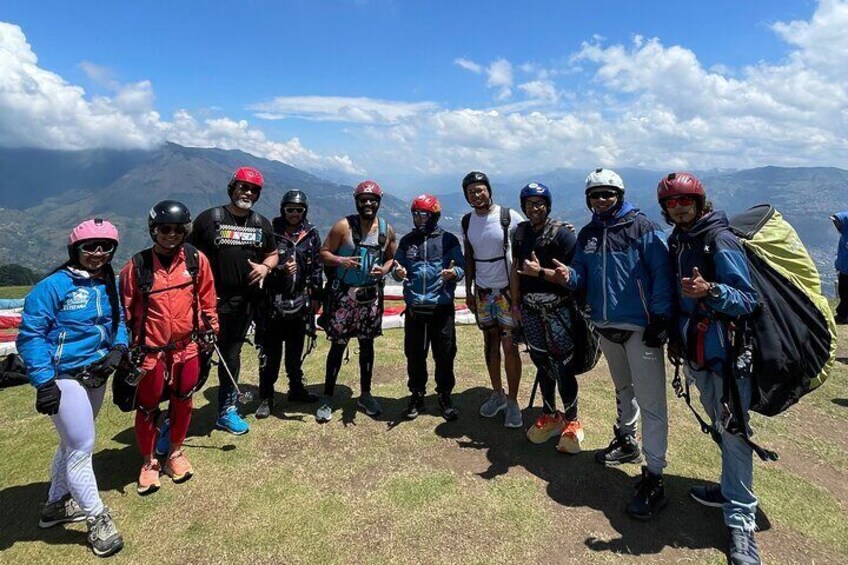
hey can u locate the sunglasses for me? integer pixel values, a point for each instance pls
(367, 199)
(295, 210)
(421, 213)
(535, 205)
(252, 188)
(95, 247)
(603, 194)
(679, 201)
(167, 229)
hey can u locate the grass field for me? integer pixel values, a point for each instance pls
(359, 490)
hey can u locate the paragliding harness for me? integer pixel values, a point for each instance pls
(787, 346)
(505, 221)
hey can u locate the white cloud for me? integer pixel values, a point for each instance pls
(468, 65)
(340, 109)
(544, 90)
(500, 78)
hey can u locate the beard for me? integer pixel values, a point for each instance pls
(243, 204)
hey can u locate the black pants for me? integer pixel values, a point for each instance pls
(234, 326)
(277, 332)
(842, 309)
(438, 334)
(334, 365)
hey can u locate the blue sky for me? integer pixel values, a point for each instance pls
(415, 89)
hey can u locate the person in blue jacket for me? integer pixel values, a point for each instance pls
(72, 337)
(713, 286)
(840, 220)
(622, 264)
(429, 261)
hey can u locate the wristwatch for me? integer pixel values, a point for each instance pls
(714, 291)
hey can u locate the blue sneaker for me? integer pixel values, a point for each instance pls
(163, 442)
(230, 421)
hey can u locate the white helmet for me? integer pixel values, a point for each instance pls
(606, 178)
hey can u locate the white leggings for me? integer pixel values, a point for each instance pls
(72, 471)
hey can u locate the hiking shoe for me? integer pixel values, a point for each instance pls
(571, 437)
(163, 440)
(708, 495)
(264, 408)
(622, 449)
(649, 498)
(325, 412)
(546, 427)
(369, 404)
(103, 536)
(415, 405)
(231, 422)
(61, 511)
(743, 548)
(301, 394)
(148, 479)
(513, 418)
(178, 468)
(449, 412)
(495, 403)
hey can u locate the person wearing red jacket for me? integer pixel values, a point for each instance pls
(171, 312)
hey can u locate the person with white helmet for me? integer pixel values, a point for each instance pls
(72, 338)
(622, 263)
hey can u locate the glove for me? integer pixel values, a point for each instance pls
(110, 362)
(656, 332)
(47, 398)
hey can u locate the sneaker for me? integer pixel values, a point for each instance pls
(743, 548)
(449, 412)
(571, 437)
(231, 422)
(622, 449)
(61, 511)
(178, 468)
(513, 418)
(649, 498)
(264, 409)
(546, 427)
(148, 479)
(163, 441)
(325, 412)
(495, 403)
(103, 536)
(708, 495)
(415, 405)
(369, 404)
(299, 393)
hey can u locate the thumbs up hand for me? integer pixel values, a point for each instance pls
(290, 266)
(695, 286)
(449, 274)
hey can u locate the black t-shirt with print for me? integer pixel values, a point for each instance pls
(561, 247)
(228, 245)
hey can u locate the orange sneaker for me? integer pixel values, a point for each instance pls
(148, 479)
(572, 435)
(178, 467)
(546, 427)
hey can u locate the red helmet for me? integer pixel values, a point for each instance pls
(368, 187)
(680, 184)
(426, 203)
(247, 174)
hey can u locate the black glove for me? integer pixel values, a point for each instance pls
(47, 398)
(110, 362)
(656, 332)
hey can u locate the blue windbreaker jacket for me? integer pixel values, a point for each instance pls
(842, 252)
(622, 263)
(66, 324)
(424, 256)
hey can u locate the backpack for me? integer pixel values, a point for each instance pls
(506, 220)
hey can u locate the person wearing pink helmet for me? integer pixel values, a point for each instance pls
(72, 338)
(242, 250)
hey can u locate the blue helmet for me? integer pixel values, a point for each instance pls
(535, 189)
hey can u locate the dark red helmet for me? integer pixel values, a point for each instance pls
(368, 187)
(246, 174)
(680, 184)
(426, 203)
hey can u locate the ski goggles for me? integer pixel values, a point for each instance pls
(294, 209)
(420, 214)
(599, 194)
(168, 229)
(679, 201)
(94, 247)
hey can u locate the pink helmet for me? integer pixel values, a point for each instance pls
(93, 229)
(368, 187)
(247, 174)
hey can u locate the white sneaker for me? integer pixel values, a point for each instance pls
(495, 403)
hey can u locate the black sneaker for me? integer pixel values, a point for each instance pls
(708, 495)
(449, 413)
(299, 393)
(264, 409)
(649, 498)
(415, 405)
(622, 449)
(743, 548)
(61, 511)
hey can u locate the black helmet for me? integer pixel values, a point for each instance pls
(475, 177)
(294, 197)
(168, 212)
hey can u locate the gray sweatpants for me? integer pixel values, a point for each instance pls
(638, 373)
(72, 471)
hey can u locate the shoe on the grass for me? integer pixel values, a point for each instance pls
(743, 548)
(163, 440)
(178, 467)
(622, 449)
(325, 412)
(708, 495)
(148, 478)
(415, 405)
(264, 408)
(571, 438)
(60, 511)
(299, 393)
(103, 536)
(230, 421)
(368, 403)
(547, 426)
(449, 412)
(649, 498)
(513, 417)
(495, 403)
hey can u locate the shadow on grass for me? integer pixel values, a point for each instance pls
(841, 402)
(578, 481)
(19, 523)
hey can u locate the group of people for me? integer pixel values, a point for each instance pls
(534, 281)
